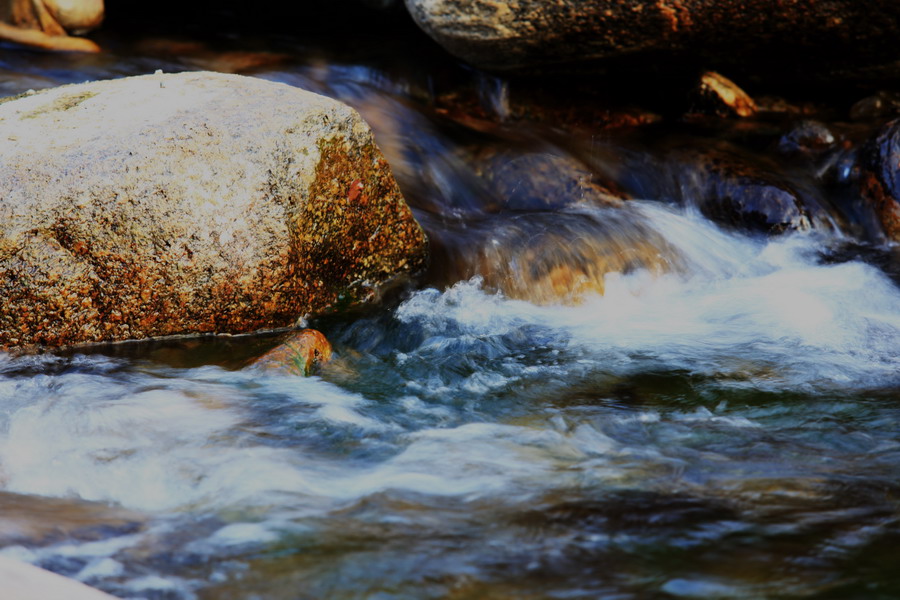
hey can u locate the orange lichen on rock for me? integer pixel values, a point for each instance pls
(185, 216)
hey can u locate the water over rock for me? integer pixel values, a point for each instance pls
(735, 191)
(528, 33)
(190, 203)
(553, 258)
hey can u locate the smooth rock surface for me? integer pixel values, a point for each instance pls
(190, 203)
(526, 33)
(47, 23)
(553, 258)
(302, 353)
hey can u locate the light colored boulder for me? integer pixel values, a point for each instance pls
(190, 203)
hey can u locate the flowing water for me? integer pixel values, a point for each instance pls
(722, 421)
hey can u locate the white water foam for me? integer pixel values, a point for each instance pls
(758, 311)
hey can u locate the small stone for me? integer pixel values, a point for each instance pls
(808, 137)
(718, 95)
(303, 353)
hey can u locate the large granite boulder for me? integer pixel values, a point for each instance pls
(523, 34)
(190, 203)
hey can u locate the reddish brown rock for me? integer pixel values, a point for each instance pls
(191, 203)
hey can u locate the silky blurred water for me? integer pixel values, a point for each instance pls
(724, 426)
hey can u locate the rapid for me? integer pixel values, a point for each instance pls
(714, 416)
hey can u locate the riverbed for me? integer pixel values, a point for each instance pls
(720, 424)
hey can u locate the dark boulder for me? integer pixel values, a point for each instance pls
(526, 34)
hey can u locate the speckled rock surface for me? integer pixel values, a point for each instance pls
(190, 203)
(521, 34)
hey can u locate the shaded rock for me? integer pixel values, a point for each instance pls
(541, 181)
(528, 33)
(878, 106)
(190, 203)
(717, 95)
(807, 138)
(570, 105)
(880, 178)
(742, 193)
(302, 353)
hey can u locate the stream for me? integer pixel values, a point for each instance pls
(723, 421)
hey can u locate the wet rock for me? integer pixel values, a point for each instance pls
(528, 33)
(550, 258)
(41, 521)
(541, 181)
(878, 106)
(22, 581)
(191, 203)
(880, 178)
(46, 23)
(717, 95)
(807, 138)
(302, 353)
(742, 193)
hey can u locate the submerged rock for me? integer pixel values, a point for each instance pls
(190, 203)
(528, 33)
(301, 354)
(881, 178)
